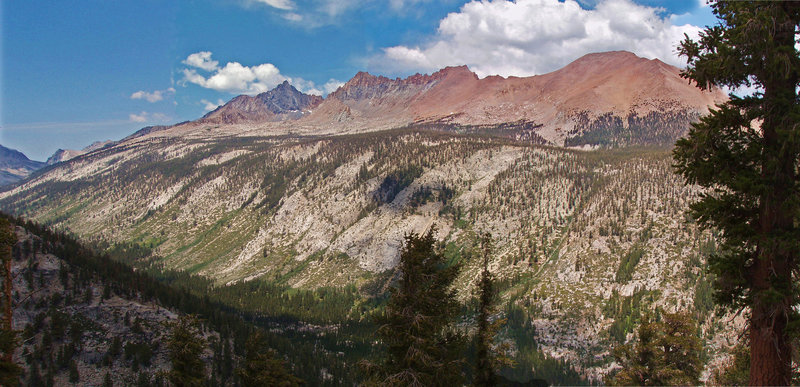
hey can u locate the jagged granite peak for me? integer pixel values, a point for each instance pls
(284, 102)
(362, 86)
(15, 166)
(365, 85)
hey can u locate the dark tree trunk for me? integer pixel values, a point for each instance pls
(770, 348)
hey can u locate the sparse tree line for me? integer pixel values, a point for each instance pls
(422, 331)
(213, 347)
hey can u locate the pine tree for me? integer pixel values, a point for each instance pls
(737, 371)
(421, 350)
(9, 370)
(746, 153)
(185, 346)
(261, 368)
(666, 353)
(487, 362)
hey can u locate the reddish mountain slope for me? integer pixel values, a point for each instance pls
(603, 99)
(598, 93)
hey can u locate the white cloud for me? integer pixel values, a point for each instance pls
(280, 4)
(148, 117)
(142, 117)
(155, 96)
(291, 16)
(332, 85)
(317, 13)
(527, 37)
(312, 14)
(309, 87)
(202, 60)
(236, 78)
(209, 106)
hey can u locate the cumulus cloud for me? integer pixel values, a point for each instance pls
(153, 97)
(236, 78)
(148, 117)
(201, 60)
(209, 106)
(332, 85)
(309, 87)
(233, 77)
(527, 37)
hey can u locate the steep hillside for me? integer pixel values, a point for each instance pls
(80, 327)
(15, 166)
(586, 242)
(84, 317)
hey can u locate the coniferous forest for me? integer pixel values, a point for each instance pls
(286, 336)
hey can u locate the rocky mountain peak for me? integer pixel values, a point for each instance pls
(284, 102)
(286, 98)
(454, 71)
(362, 86)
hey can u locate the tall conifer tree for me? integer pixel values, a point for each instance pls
(261, 368)
(421, 350)
(487, 358)
(746, 154)
(9, 370)
(185, 346)
(667, 353)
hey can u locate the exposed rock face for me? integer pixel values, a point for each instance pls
(15, 166)
(67, 315)
(281, 103)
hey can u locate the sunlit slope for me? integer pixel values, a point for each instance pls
(584, 240)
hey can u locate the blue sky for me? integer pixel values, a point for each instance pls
(74, 72)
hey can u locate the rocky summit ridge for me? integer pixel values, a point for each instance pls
(284, 102)
(604, 99)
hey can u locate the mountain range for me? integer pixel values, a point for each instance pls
(604, 99)
(294, 190)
